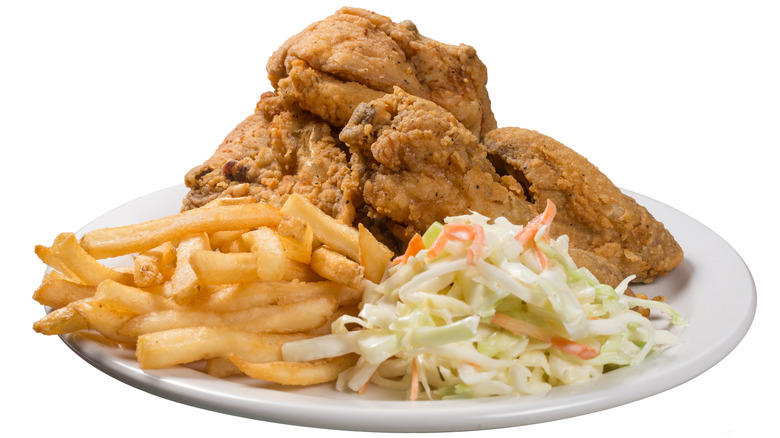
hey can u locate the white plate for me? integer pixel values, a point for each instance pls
(712, 288)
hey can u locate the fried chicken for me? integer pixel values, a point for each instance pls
(355, 56)
(380, 126)
(273, 153)
(594, 213)
(418, 164)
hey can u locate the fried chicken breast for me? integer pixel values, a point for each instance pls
(592, 211)
(418, 164)
(355, 56)
(273, 153)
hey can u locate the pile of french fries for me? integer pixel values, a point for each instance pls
(228, 283)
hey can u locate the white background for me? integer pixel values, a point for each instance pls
(103, 103)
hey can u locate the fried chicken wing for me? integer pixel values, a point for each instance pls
(418, 164)
(594, 213)
(274, 153)
(355, 56)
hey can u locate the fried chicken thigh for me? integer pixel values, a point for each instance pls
(594, 213)
(418, 164)
(355, 56)
(273, 153)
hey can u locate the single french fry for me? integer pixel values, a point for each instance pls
(61, 321)
(105, 319)
(215, 268)
(131, 298)
(221, 367)
(117, 241)
(375, 257)
(266, 293)
(294, 317)
(297, 238)
(77, 261)
(58, 290)
(339, 236)
(269, 253)
(220, 239)
(336, 267)
(184, 282)
(296, 373)
(190, 344)
(153, 267)
(47, 256)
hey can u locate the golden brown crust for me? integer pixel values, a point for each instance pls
(354, 54)
(592, 211)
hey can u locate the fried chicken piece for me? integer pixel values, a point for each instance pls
(356, 56)
(417, 164)
(594, 213)
(273, 153)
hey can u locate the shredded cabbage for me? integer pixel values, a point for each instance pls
(477, 313)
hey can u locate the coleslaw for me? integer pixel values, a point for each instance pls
(479, 308)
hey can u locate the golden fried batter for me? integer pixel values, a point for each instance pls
(274, 153)
(594, 213)
(418, 165)
(355, 56)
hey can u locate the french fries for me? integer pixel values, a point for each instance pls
(295, 373)
(227, 284)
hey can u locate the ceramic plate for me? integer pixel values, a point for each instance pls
(712, 288)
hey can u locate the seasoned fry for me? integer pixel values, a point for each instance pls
(214, 268)
(286, 318)
(221, 239)
(190, 344)
(81, 265)
(296, 373)
(131, 298)
(221, 367)
(61, 321)
(339, 236)
(375, 257)
(270, 258)
(105, 319)
(265, 293)
(153, 267)
(297, 238)
(57, 290)
(47, 256)
(336, 267)
(113, 242)
(184, 282)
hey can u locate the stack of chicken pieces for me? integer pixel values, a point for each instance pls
(379, 125)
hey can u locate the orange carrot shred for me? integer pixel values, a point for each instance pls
(415, 245)
(520, 327)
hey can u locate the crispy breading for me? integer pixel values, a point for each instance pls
(273, 153)
(355, 56)
(592, 211)
(418, 165)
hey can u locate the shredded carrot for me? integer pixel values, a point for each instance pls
(415, 245)
(520, 327)
(415, 381)
(463, 232)
(363, 388)
(527, 234)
